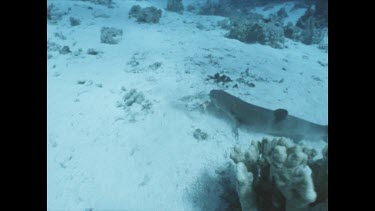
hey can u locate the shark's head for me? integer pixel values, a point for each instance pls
(217, 97)
(215, 93)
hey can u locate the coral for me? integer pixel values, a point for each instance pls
(245, 82)
(200, 135)
(224, 24)
(134, 104)
(309, 35)
(101, 2)
(312, 23)
(320, 177)
(65, 50)
(139, 62)
(175, 6)
(244, 188)
(292, 32)
(60, 35)
(74, 21)
(92, 51)
(253, 28)
(190, 8)
(155, 65)
(282, 13)
(145, 15)
(322, 9)
(225, 8)
(52, 46)
(249, 157)
(54, 14)
(293, 178)
(312, 27)
(221, 8)
(311, 153)
(323, 44)
(110, 35)
(280, 172)
(134, 11)
(217, 78)
(149, 15)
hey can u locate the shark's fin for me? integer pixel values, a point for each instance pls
(280, 114)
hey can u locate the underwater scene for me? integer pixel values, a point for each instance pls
(187, 105)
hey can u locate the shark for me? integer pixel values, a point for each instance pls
(276, 122)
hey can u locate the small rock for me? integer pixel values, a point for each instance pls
(74, 21)
(145, 180)
(92, 51)
(199, 135)
(220, 78)
(55, 74)
(81, 82)
(200, 26)
(322, 64)
(64, 50)
(62, 165)
(60, 35)
(155, 65)
(89, 83)
(316, 78)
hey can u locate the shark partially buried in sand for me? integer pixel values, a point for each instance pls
(274, 122)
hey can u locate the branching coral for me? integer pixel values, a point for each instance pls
(280, 172)
(244, 188)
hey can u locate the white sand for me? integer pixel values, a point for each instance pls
(98, 159)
